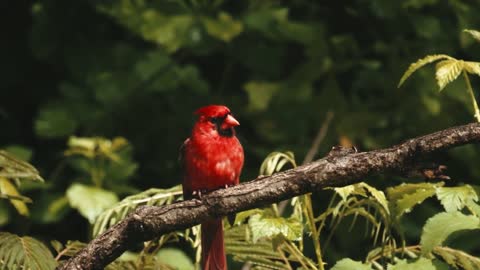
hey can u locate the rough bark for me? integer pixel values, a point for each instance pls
(334, 170)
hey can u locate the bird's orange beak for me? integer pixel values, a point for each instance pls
(229, 122)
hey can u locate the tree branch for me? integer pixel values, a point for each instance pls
(148, 222)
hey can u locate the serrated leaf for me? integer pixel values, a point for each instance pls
(269, 227)
(13, 168)
(377, 194)
(24, 253)
(455, 198)
(90, 201)
(420, 63)
(405, 196)
(349, 264)
(439, 227)
(420, 263)
(224, 27)
(457, 258)
(448, 71)
(9, 191)
(475, 34)
(472, 67)
(241, 216)
(345, 191)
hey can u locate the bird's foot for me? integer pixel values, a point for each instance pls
(198, 193)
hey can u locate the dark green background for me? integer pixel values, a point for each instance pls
(139, 69)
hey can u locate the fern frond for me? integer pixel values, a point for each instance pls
(457, 258)
(24, 253)
(420, 63)
(119, 211)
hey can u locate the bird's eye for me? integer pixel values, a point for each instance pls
(215, 120)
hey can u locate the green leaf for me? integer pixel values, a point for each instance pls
(9, 191)
(472, 67)
(269, 227)
(420, 63)
(457, 258)
(24, 253)
(475, 34)
(13, 168)
(54, 122)
(275, 161)
(224, 27)
(241, 216)
(345, 191)
(421, 263)
(90, 201)
(405, 196)
(349, 264)
(448, 71)
(175, 258)
(439, 227)
(260, 93)
(455, 198)
(117, 212)
(4, 213)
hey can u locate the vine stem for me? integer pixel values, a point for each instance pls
(315, 233)
(472, 96)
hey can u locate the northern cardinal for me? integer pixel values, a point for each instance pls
(213, 159)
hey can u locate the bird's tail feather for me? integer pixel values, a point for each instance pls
(213, 251)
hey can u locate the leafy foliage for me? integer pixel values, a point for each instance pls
(87, 73)
(442, 225)
(24, 253)
(117, 212)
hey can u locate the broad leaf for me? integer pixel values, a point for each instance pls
(439, 227)
(24, 253)
(269, 227)
(455, 198)
(420, 63)
(90, 201)
(448, 71)
(349, 264)
(404, 197)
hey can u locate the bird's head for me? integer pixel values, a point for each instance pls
(218, 118)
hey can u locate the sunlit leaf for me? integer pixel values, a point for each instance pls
(448, 71)
(275, 161)
(349, 264)
(90, 201)
(475, 34)
(9, 191)
(269, 227)
(420, 63)
(472, 67)
(439, 227)
(24, 253)
(455, 198)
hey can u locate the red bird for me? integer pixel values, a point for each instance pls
(213, 159)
